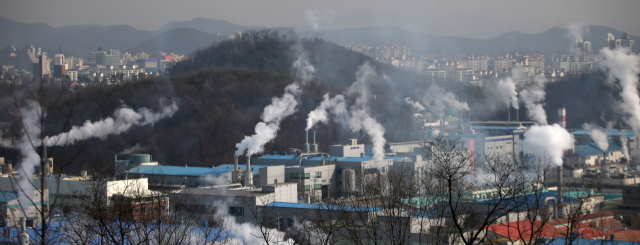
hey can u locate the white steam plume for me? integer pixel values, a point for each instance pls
(319, 20)
(625, 148)
(436, 99)
(279, 109)
(31, 116)
(414, 104)
(360, 118)
(625, 67)
(598, 136)
(302, 68)
(576, 31)
(121, 121)
(548, 141)
(506, 88)
(135, 148)
(273, 114)
(533, 98)
(335, 106)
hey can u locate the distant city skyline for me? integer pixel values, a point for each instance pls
(475, 19)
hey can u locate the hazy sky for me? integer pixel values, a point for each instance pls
(152, 14)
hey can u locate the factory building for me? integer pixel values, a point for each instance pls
(177, 177)
(241, 203)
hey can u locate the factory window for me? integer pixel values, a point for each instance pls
(307, 187)
(235, 211)
(318, 186)
(318, 174)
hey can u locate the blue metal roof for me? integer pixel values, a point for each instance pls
(591, 149)
(496, 127)
(281, 157)
(319, 206)
(365, 159)
(7, 196)
(528, 200)
(613, 132)
(191, 171)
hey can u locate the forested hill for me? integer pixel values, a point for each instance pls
(223, 89)
(266, 50)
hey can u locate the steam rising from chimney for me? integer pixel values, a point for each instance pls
(436, 99)
(30, 116)
(598, 136)
(360, 118)
(624, 67)
(273, 114)
(625, 148)
(335, 106)
(533, 98)
(121, 121)
(507, 89)
(279, 109)
(414, 104)
(548, 141)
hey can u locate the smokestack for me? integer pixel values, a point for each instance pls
(235, 163)
(306, 144)
(561, 209)
(314, 146)
(562, 116)
(248, 174)
(24, 236)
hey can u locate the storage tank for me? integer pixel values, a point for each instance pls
(348, 180)
(137, 159)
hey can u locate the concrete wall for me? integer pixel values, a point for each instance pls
(631, 195)
(270, 175)
(287, 192)
(346, 150)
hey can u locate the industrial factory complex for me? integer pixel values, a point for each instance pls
(293, 181)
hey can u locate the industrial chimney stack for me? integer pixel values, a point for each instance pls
(248, 174)
(306, 140)
(314, 146)
(562, 116)
(561, 209)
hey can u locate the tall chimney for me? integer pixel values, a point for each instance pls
(24, 236)
(306, 140)
(235, 163)
(248, 174)
(314, 146)
(561, 209)
(562, 116)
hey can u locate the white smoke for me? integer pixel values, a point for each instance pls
(414, 104)
(576, 31)
(598, 136)
(336, 106)
(135, 148)
(624, 67)
(121, 121)
(319, 20)
(360, 118)
(548, 141)
(506, 88)
(533, 98)
(273, 114)
(302, 67)
(279, 109)
(625, 148)
(244, 233)
(436, 99)
(30, 115)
